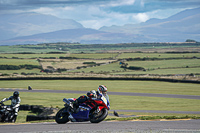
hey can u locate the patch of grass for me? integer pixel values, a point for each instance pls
(153, 103)
(158, 55)
(109, 68)
(31, 55)
(45, 99)
(21, 118)
(18, 62)
(165, 63)
(175, 71)
(117, 101)
(69, 64)
(94, 55)
(21, 71)
(137, 114)
(112, 85)
(153, 118)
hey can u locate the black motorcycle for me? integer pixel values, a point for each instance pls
(7, 114)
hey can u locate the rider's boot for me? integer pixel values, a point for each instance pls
(70, 117)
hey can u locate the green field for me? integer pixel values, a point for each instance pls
(166, 62)
(113, 85)
(164, 65)
(158, 55)
(95, 55)
(26, 48)
(118, 102)
(18, 62)
(181, 63)
(31, 56)
(152, 67)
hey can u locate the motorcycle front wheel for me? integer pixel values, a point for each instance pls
(61, 117)
(98, 117)
(13, 119)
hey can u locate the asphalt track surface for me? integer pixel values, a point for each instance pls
(159, 126)
(183, 126)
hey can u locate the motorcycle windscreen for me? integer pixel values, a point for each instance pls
(83, 114)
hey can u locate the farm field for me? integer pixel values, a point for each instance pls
(164, 64)
(31, 56)
(18, 62)
(96, 48)
(104, 63)
(70, 64)
(57, 60)
(158, 55)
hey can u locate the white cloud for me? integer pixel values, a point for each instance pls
(120, 3)
(93, 16)
(141, 17)
(55, 11)
(103, 13)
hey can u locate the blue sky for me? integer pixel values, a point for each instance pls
(98, 13)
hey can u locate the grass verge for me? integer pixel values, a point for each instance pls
(153, 118)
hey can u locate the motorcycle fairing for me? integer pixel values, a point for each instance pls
(83, 114)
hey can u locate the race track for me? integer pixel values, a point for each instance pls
(122, 93)
(110, 93)
(183, 126)
(163, 126)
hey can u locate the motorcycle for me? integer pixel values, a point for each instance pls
(93, 110)
(7, 114)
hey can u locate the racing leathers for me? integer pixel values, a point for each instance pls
(15, 103)
(84, 98)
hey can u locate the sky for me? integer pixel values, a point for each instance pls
(97, 13)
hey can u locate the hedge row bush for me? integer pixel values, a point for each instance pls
(14, 67)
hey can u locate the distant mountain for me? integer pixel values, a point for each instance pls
(24, 24)
(177, 28)
(82, 35)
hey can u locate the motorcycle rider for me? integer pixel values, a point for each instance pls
(101, 91)
(75, 105)
(15, 102)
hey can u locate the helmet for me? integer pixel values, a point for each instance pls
(16, 94)
(102, 89)
(92, 94)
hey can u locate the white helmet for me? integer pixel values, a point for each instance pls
(102, 89)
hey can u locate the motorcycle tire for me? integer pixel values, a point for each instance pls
(103, 115)
(1, 118)
(13, 120)
(61, 119)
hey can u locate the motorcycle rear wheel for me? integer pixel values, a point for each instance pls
(61, 118)
(101, 116)
(1, 118)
